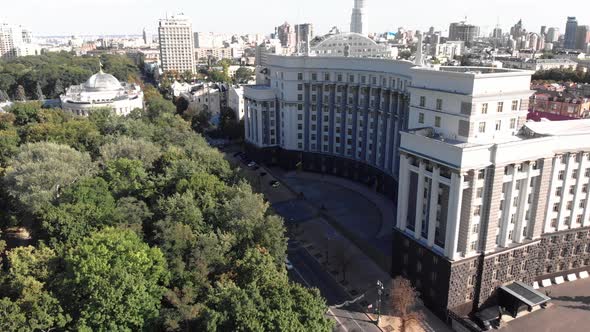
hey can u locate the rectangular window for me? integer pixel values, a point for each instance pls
(300, 76)
(484, 108)
(463, 128)
(299, 87)
(498, 125)
(422, 101)
(439, 103)
(512, 123)
(515, 105)
(314, 77)
(465, 108)
(437, 121)
(479, 192)
(482, 127)
(299, 97)
(420, 117)
(561, 175)
(500, 107)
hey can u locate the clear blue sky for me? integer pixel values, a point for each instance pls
(83, 17)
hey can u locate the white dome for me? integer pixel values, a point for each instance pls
(102, 82)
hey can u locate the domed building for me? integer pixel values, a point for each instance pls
(102, 90)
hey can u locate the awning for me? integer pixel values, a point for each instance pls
(525, 294)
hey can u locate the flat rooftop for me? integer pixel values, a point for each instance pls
(560, 128)
(477, 70)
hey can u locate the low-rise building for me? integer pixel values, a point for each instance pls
(236, 100)
(102, 90)
(563, 103)
(539, 64)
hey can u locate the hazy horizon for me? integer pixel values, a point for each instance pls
(130, 17)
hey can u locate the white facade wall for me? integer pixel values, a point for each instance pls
(176, 44)
(330, 105)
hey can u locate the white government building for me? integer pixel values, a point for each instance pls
(102, 90)
(484, 198)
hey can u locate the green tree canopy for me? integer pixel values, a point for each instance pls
(114, 281)
(40, 171)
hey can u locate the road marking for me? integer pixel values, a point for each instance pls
(329, 309)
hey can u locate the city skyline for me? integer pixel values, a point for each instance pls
(246, 17)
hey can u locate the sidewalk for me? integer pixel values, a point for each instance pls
(361, 275)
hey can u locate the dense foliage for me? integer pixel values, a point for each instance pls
(562, 75)
(137, 224)
(48, 75)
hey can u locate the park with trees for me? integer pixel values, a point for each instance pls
(132, 223)
(48, 75)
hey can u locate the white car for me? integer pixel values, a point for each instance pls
(288, 264)
(251, 164)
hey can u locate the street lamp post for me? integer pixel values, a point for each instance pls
(379, 292)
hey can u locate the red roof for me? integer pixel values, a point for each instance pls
(537, 116)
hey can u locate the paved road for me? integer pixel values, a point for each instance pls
(308, 272)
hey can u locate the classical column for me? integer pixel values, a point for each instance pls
(433, 208)
(454, 215)
(508, 208)
(402, 193)
(419, 202)
(554, 165)
(579, 182)
(564, 192)
(522, 206)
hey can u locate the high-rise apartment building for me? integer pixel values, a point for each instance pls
(16, 41)
(571, 28)
(582, 37)
(359, 22)
(303, 37)
(176, 44)
(286, 34)
(463, 32)
(552, 35)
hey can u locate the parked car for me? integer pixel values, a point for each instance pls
(251, 164)
(288, 264)
(275, 183)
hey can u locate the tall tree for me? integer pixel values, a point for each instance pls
(30, 306)
(20, 93)
(4, 96)
(40, 171)
(114, 281)
(404, 298)
(39, 92)
(58, 88)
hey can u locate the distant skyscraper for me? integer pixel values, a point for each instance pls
(145, 39)
(177, 44)
(303, 37)
(552, 35)
(517, 30)
(286, 35)
(582, 37)
(497, 32)
(571, 28)
(463, 32)
(543, 30)
(359, 22)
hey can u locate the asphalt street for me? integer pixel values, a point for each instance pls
(308, 272)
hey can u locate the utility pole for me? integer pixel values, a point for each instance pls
(379, 293)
